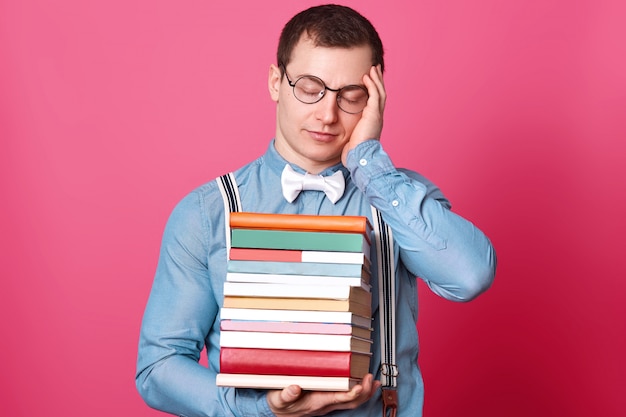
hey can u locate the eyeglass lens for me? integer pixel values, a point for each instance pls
(351, 99)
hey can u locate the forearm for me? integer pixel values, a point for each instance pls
(447, 251)
(180, 317)
(181, 386)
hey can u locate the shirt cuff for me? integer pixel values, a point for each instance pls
(367, 162)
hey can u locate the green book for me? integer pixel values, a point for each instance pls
(280, 239)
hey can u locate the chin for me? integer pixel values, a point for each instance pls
(325, 158)
(330, 149)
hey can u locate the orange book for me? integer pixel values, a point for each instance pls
(301, 222)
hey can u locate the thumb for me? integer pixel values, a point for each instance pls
(280, 401)
(290, 394)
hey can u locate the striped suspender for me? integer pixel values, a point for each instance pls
(232, 202)
(386, 284)
(386, 313)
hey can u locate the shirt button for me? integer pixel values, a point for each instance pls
(395, 203)
(363, 162)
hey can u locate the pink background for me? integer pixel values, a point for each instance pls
(111, 111)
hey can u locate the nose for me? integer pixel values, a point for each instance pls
(327, 109)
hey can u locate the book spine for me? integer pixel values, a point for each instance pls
(292, 362)
(353, 224)
(313, 383)
(272, 255)
(295, 315)
(316, 241)
(294, 327)
(335, 292)
(297, 279)
(289, 341)
(284, 255)
(297, 304)
(298, 268)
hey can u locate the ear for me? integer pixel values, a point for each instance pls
(274, 81)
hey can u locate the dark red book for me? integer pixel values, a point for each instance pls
(293, 362)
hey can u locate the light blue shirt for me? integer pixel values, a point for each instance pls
(449, 253)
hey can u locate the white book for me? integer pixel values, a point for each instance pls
(332, 292)
(296, 279)
(313, 383)
(295, 341)
(304, 316)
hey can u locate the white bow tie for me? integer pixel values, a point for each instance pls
(293, 182)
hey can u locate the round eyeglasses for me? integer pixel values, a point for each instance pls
(310, 89)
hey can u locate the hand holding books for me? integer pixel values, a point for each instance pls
(294, 402)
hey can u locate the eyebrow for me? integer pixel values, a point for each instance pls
(325, 83)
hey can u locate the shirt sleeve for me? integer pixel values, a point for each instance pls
(180, 314)
(455, 259)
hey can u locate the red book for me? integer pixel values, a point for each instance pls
(286, 255)
(293, 362)
(275, 255)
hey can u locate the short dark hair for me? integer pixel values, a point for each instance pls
(330, 25)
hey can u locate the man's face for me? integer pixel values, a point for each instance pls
(313, 135)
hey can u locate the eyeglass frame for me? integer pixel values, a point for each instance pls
(292, 84)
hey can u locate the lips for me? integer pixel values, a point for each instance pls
(322, 136)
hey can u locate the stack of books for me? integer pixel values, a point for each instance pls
(297, 302)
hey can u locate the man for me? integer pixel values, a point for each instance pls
(329, 94)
